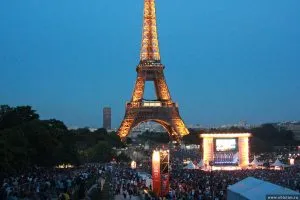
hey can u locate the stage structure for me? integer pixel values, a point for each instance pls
(160, 172)
(161, 110)
(226, 149)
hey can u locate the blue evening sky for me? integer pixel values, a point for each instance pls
(225, 61)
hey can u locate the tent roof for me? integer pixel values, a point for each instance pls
(255, 162)
(200, 163)
(245, 184)
(190, 166)
(253, 188)
(278, 163)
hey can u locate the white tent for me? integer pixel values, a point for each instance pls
(255, 162)
(200, 164)
(254, 189)
(277, 163)
(190, 165)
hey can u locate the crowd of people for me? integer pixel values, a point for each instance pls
(198, 184)
(188, 184)
(44, 184)
(127, 182)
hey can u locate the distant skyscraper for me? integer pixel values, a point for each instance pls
(107, 117)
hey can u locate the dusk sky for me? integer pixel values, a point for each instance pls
(225, 61)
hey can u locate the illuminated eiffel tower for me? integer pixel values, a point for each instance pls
(162, 110)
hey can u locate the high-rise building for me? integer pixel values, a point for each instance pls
(107, 117)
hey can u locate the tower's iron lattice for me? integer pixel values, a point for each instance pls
(162, 110)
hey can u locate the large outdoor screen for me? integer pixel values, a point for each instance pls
(226, 144)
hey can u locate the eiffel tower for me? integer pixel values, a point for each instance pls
(162, 110)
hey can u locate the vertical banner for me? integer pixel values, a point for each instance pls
(156, 186)
(164, 171)
(208, 150)
(243, 151)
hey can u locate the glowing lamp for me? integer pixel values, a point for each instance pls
(133, 164)
(156, 156)
(292, 161)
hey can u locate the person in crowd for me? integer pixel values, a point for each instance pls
(82, 189)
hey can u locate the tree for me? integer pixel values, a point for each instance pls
(128, 140)
(273, 135)
(26, 141)
(123, 158)
(101, 152)
(10, 117)
(14, 151)
(157, 137)
(258, 145)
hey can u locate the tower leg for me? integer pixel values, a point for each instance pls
(179, 126)
(126, 125)
(161, 88)
(138, 89)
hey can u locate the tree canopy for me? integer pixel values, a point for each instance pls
(26, 141)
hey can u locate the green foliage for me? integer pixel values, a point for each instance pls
(25, 141)
(267, 136)
(123, 158)
(193, 137)
(275, 136)
(101, 152)
(113, 139)
(128, 140)
(13, 116)
(13, 151)
(258, 145)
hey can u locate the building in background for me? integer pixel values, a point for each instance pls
(107, 118)
(146, 126)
